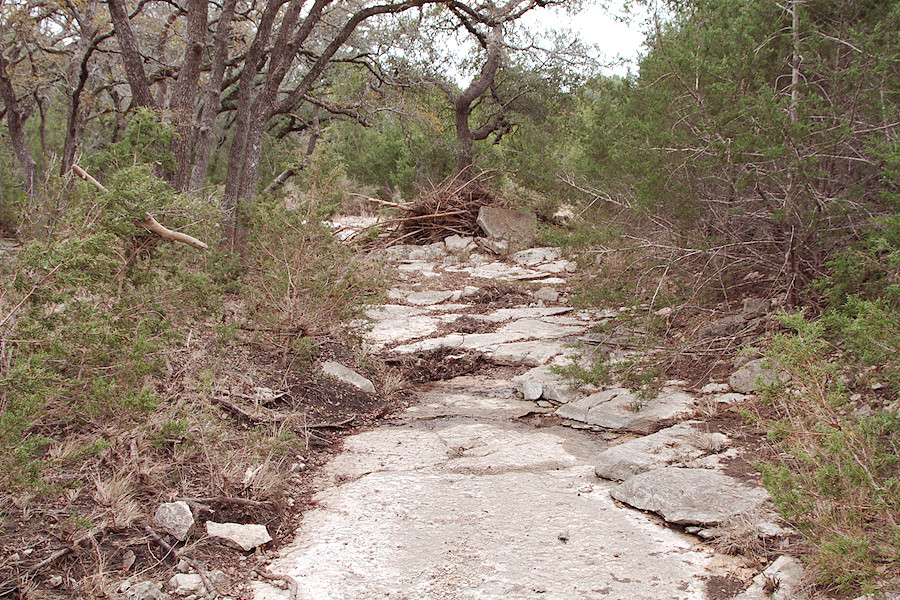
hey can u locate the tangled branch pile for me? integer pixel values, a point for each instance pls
(451, 208)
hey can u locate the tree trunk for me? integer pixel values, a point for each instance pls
(243, 160)
(15, 124)
(794, 212)
(131, 55)
(183, 96)
(795, 59)
(237, 153)
(212, 101)
(463, 104)
(76, 78)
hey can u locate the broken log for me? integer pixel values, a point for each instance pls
(148, 222)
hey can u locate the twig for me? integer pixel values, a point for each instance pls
(277, 418)
(213, 593)
(148, 222)
(229, 500)
(90, 535)
(294, 589)
(236, 410)
(380, 201)
(427, 216)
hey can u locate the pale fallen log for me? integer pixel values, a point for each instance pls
(148, 222)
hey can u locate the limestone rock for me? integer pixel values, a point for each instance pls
(424, 298)
(748, 378)
(347, 375)
(493, 246)
(144, 590)
(535, 256)
(429, 252)
(245, 537)
(458, 243)
(715, 388)
(533, 353)
(677, 444)
(551, 385)
(185, 584)
(532, 390)
(565, 215)
(547, 294)
(721, 327)
(782, 580)
(690, 496)
(397, 253)
(175, 518)
(619, 409)
(516, 227)
(429, 297)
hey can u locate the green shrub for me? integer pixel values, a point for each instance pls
(87, 316)
(303, 282)
(839, 482)
(576, 374)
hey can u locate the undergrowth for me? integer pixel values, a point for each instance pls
(116, 349)
(837, 421)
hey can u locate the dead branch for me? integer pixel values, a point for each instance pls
(269, 416)
(265, 504)
(449, 209)
(290, 581)
(148, 222)
(210, 588)
(596, 194)
(382, 202)
(90, 535)
(236, 410)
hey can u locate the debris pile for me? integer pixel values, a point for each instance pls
(449, 209)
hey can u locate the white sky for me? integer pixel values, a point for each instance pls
(599, 26)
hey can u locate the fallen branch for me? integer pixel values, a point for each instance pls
(148, 222)
(237, 410)
(90, 535)
(293, 588)
(273, 417)
(210, 588)
(380, 201)
(229, 500)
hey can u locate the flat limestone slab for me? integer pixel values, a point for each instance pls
(483, 342)
(511, 514)
(523, 312)
(533, 353)
(691, 496)
(676, 444)
(500, 270)
(423, 298)
(535, 256)
(470, 396)
(541, 330)
(402, 329)
(619, 409)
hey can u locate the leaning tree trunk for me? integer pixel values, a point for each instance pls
(182, 102)
(131, 55)
(212, 100)
(462, 104)
(15, 125)
(237, 153)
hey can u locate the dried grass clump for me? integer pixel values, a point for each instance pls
(449, 209)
